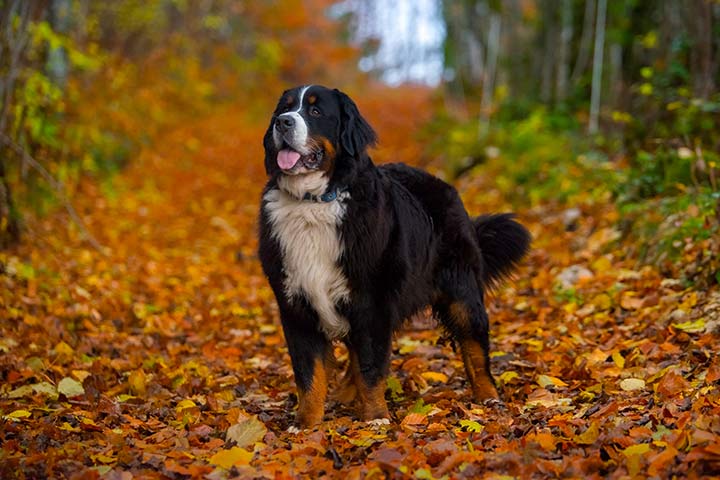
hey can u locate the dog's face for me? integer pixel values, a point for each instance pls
(314, 129)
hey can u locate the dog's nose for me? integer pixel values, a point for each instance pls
(285, 123)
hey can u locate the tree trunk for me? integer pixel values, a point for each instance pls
(597, 67)
(549, 8)
(488, 90)
(563, 67)
(9, 225)
(585, 40)
(701, 53)
(14, 35)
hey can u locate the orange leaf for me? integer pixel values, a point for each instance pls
(672, 384)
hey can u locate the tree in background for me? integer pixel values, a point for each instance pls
(84, 83)
(546, 47)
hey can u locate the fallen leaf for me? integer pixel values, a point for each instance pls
(589, 436)
(415, 419)
(618, 359)
(638, 449)
(507, 377)
(470, 426)
(631, 384)
(672, 383)
(630, 302)
(17, 414)
(547, 380)
(70, 387)
(231, 457)
(436, 377)
(246, 432)
(691, 326)
(137, 382)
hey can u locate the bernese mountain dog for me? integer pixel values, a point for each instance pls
(351, 249)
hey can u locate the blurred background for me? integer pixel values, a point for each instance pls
(566, 102)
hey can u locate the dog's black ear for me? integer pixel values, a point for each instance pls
(356, 134)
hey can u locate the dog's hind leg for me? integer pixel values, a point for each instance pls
(463, 313)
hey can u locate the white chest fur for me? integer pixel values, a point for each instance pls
(308, 233)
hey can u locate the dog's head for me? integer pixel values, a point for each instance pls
(315, 129)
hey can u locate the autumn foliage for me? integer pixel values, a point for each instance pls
(162, 356)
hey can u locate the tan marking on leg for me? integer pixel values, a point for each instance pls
(311, 402)
(474, 355)
(347, 391)
(371, 400)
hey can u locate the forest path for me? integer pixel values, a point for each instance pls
(141, 360)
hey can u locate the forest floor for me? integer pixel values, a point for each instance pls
(164, 358)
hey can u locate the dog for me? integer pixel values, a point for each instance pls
(351, 249)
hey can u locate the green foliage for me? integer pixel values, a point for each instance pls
(533, 159)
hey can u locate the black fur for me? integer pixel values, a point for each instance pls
(408, 244)
(504, 243)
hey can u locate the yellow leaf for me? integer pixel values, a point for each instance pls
(638, 449)
(618, 359)
(546, 380)
(137, 382)
(533, 344)
(602, 264)
(435, 377)
(231, 457)
(63, 348)
(183, 404)
(81, 375)
(589, 436)
(102, 458)
(17, 414)
(470, 426)
(507, 377)
(68, 428)
(631, 384)
(691, 327)
(602, 301)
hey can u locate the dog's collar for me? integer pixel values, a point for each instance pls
(326, 197)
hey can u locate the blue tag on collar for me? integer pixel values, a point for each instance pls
(329, 196)
(326, 197)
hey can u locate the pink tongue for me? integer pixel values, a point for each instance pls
(286, 159)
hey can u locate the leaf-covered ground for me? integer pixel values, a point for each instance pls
(164, 358)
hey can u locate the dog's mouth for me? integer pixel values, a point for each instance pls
(293, 162)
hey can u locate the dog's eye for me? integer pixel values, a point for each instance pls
(314, 111)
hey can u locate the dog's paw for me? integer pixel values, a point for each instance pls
(293, 430)
(376, 422)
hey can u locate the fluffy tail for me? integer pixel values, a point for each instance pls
(503, 243)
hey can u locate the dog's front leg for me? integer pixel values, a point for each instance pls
(309, 350)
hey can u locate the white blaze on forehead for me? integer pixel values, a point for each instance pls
(297, 137)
